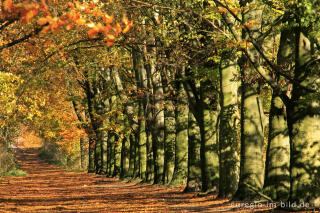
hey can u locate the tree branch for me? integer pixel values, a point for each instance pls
(7, 23)
(26, 37)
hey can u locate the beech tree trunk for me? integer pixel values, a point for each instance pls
(277, 175)
(194, 141)
(170, 134)
(277, 178)
(304, 125)
(228, 128)
(207, 120)
(252, 117)
(91, 165)
(141, 82)
(158, 123)
(181, 143)
(125, 155)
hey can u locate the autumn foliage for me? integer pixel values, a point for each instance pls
(76, 14)
(46, 109)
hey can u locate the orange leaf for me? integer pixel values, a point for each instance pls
(97, 13)
(79, 6)
(76, 17)
(27, 17)
(222, 10)
(108, 27)
(42, 21)
(72, 16)
(54, 26)
(93, 32)
(127, 23)
(44, 5)
(118, 29)
(71, 5)
(49, 18)
(45, 29)
(108, 19)
(7, 5)
(69, 26)
(110, 42)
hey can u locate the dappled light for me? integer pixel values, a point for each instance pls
(48, 188)
(159, 106)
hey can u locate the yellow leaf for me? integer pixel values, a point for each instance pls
(110, 36)
(126, 29)
(80, 22)
(69, 26)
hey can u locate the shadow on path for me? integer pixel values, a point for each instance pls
(48, 188)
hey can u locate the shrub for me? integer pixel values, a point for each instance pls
(8, 161)
(54, 153)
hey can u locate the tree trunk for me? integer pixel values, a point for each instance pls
(277, 174)
(92, 134)
(277, 178)
(136, 169)
(252, 136)
(104, 151)
(124, 158)
(181, 143)
(142, 145)
(132, 155)
(91, 166)
(110, 155)
(150, 162)
(228, 129)
(208, 131)
(303, 122)
(82, 152)
(207, 121)
(158, 124)
(194, 167)
(141, 82)
(117, 158)
(170, 135)
(251, 163)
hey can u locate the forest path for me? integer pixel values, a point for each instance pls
(48, 188)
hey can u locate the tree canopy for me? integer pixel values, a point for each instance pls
(200, 93)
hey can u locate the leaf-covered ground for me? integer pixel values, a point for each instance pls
(48, 188)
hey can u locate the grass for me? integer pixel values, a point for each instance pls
(13, 173)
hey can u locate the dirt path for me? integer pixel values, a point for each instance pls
(48, 188)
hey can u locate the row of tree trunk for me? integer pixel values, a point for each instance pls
(178, 129)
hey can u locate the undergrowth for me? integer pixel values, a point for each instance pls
(9, 165)
(53, 153)
(12, 173)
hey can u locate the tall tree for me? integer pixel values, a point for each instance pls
(252, 125)
(194, 169)
(277, 174)
(181, 143)
(228, 128)
(303, 120)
